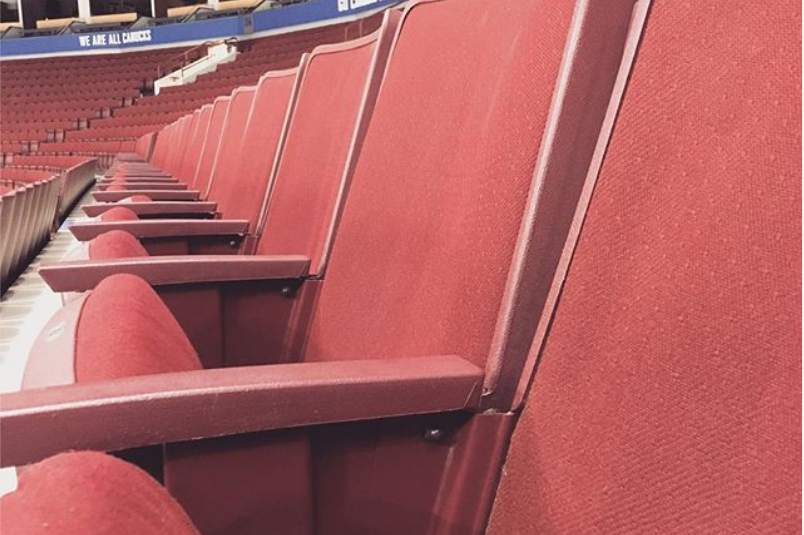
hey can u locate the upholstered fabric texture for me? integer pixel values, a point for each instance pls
(260, 142)
(188, 163)
(115, 244)
(206, 159)
(668, 397)
(118, 213)
(428, 231)
(310, 174)
(224, 175)
(85, 493)
(125, 330)
(186, 135)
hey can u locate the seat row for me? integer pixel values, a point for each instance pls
(38, 193)
(24, 135)
(28, 211)
(76, 175)
(159, 119)
(30, 95)
(49, 96)
(76, 102)
(86, 147)
(347, 226)
(106, 69)
(39, 125)
(318, 303)
(121, 95)
(102, 133)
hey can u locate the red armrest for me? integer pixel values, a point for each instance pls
(143, 176)
(161, 186)
(162, 228)
(82, 275)
(156, 409)
(155, 208)
(154, 194)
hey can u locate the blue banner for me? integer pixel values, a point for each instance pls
(310, 12)
(221, 28)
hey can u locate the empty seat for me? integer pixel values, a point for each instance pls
(115, 244)
(102, 494)
(186, 158)
(176, 155)
(28, 212)
(262, 136)
(303, 186)
(155, 343)
(421, 188)
(142, 206)
(667, 395)
(423, 303)
(314, 173)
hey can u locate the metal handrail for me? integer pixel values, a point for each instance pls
(183, 59)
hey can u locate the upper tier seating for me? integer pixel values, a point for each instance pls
(150, 113)
(284, 180)
(43, 98)
(94, 105)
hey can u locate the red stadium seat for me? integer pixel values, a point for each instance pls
(116, 244)
(316, 188)
(223, 164)
(562, 296)
(395, 204)
(301, 214)
(183, 161)
(29, 209)
(398, 203)
(419, 267)
(262, 137)
(667, 394)
(144, 207)
(102, 493)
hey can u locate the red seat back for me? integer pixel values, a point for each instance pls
(667, 398)
(195, 144)
(427, 235)
(163, 147)
(212, 138)
(262, 139)
(224, 174)
(341, 84)
(191, 145)
(183, 128)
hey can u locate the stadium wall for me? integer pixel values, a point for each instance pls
(249, 26)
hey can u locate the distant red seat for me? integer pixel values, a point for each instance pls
(28, 212)
(408, 312)
(201, 179)
(300, 191)
(666, 396)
